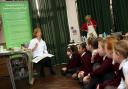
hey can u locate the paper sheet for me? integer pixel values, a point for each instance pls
(37, 59)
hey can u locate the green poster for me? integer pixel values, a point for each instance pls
(16, 23)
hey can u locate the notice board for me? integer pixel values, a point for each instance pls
(16, 23)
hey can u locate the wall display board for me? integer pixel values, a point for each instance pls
(16, 23)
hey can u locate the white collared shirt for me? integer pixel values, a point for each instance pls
(104, 57)
(124, 67)
(70, 56)
(41, 48)
(83, 54)
(94, 52)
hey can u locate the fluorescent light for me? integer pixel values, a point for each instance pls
(37, 7)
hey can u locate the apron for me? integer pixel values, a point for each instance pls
(91, 31)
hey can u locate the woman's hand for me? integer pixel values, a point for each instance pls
(36, 45)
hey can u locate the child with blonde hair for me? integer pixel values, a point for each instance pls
(120, 55)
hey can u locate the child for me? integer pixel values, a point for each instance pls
(92, 45)
(120, 55)
(86, 66)
(96, 59)
(112, 83)
(104, 72)
(74, 62)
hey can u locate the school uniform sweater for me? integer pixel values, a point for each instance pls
(86, 63)
(98, 59)
(74, 61)
(105, 67)
(116, 81)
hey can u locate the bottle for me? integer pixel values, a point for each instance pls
(104, 35)
(84, 38)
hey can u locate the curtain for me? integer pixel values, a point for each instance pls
(120, 12)
(99, 11)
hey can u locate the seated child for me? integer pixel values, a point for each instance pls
(112, 83)
(92, 45)
(96, 59)
(104, 72)
(120, 55)
(86, 66)
(74, 62)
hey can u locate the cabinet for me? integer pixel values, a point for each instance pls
(3, 67)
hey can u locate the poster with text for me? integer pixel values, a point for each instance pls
(16, 23)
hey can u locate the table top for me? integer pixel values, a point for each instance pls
(8, 53)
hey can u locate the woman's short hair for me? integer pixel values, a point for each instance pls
(37, 29)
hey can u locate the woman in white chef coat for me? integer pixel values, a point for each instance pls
(38, 47)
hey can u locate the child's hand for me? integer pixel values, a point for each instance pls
(86, 79)
(97, 86)
(74, 75)
(81, 74)
(64, 69)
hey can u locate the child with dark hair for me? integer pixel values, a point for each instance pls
(86, 66)
(92, 45)
(97, 58)
(74, 62)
